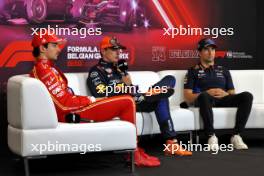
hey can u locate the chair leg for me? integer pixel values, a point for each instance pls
(191, 137)
(26, 166)
(132, 159)
(197, 138)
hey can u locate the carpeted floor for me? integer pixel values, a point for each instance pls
(241, 163)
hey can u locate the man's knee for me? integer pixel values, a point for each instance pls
(203, 97)
(246, 96)
(171, 80)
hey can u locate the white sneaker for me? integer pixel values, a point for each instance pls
(238, 143)
(213, 143)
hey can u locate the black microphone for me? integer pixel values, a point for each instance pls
(123, 66)
(75, 118)
(184, 105)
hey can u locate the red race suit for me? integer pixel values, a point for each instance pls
(87, 107)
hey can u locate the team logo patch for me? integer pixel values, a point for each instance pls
(54, 70)
(93, 74)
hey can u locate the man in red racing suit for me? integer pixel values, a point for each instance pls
(46, 50)
(87, 107)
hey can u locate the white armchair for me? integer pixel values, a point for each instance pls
(34, 129)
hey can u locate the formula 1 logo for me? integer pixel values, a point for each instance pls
(16, 52)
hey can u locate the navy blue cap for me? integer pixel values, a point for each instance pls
(205, 43)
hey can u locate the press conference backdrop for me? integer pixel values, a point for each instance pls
(159, 34)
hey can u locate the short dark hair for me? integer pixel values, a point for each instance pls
(36, 50)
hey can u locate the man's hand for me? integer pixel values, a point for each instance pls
(189, 96)
(217, 93)
(127, 80)
(211, 92)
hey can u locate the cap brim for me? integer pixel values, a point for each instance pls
(61, 43)
(118, 47)
(213, 45)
